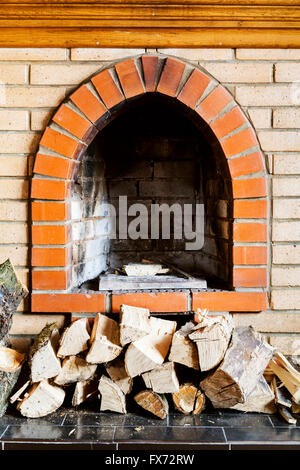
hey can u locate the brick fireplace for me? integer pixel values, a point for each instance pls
(68, 186)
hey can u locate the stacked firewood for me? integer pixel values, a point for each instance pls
(203, 361)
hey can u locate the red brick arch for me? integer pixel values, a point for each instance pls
(74, 126)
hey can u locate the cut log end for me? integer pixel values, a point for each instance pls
(153, 402)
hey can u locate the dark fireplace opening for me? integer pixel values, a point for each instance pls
(153, 153)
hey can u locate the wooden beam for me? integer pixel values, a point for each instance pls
(150, 24)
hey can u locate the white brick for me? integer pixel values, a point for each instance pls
(199, 54)
(288, 164)
(260, 117)
(40, 119)
(286, 186)
(13, 166)
(268, 54)
(100, 54)
(12, 120)
(286, 232)
(32, 97)
(61, 74)
(286, 208)
(289, 345)
(33, 324)
(13, 232)
(277, 141)
(240, 72)
(18, 142)
(286, 254)
(269, 321)
(285, 276)
(18, 255)
(265, 95)
(32, 54)
(285, 299)
(287, 72)
(13, 74)
(286, 118)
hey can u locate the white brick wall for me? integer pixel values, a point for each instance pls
(264, 82)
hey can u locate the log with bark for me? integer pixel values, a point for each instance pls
(105, 340)
(150, 351)
(112, 397)
(75, 338)
(41, 400)
(162, 379)
(12, 291)
(43, 361)
(153, 402)
(189, 399)
(242, 367)
(260, 400)
(212, 336)
(183, 349)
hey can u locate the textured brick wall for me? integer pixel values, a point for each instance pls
(33, 82)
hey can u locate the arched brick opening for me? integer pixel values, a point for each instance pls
(65, 140)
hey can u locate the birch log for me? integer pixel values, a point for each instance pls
(163, 379)
(117, 372)
(43, 361)
(112, 397)
(41, 400)
(153, 402)
(244, 363)
(75, 338)
(134, 323)
(105, 340)
(74, 369)
(183, 349)
(212, 336)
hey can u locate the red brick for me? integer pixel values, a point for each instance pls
(74, 123)
(50, 211)
(53, 166)
(108, 90)
(129, 78)
(87, 102)
(239, 142)
(62, 144)
(64, 303)
(227, 123)
(255, 187)
(250, 255)
(49, 189)
(252, 163)
(51, 256)
(170, 77)
(194, 88)
(159, 302)
(46, 280)
(243, 209)
(230, 301)
(214, 103)
(150, 70)
(250, 232)
(249, 277)
(51, 234)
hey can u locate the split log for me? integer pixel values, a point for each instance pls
(183, 350)
(281, 394)
(284, 412)
(75, 338)
(17, 395)
(41, 400)
(84, 390)
(12, 291)
(242, 367)
(75, 369)
(112, 397)
(134, 323)
(150, 351)
(117, 372)
(163, 379)
(189, 399)
(153, 402)
(288, 375)
(260, 400)
(212, 336)
(105, 340)
(43, 361)
(144, 269)
(10, 360)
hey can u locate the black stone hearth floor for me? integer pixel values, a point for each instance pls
(89, 430)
